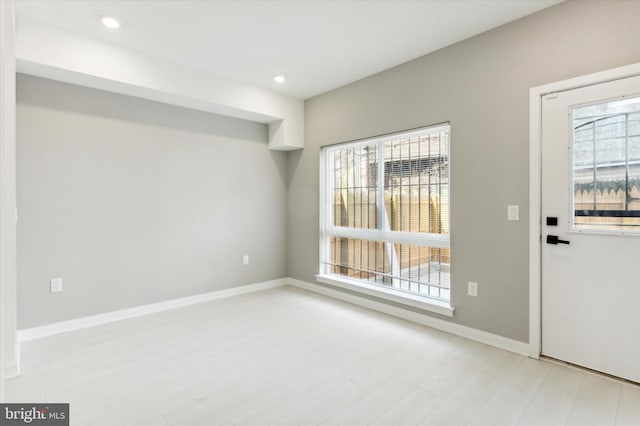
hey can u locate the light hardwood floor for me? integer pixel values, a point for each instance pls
(289, 357)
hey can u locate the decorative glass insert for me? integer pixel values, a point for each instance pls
(606, 166)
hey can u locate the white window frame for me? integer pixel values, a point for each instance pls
(327, 229)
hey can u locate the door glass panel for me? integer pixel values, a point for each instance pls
(606, 166)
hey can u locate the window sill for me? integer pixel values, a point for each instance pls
(431, 305)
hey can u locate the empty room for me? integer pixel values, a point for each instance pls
(348, 212)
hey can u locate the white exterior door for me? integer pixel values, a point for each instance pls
(591, 227)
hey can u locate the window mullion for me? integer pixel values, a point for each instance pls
(380, 197)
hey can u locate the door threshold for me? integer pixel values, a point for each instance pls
(588, 370)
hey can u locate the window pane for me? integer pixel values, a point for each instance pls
(359, 259)
(416, 185)
(606, 166)
(414, 269)
(355, 188)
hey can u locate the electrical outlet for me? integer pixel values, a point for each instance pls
(56, 285)
(245, 259)
(513, 213)
(472, 289)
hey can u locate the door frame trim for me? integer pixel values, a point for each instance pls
(535, 187)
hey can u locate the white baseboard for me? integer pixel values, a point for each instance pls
(491, 339)
(80, 323)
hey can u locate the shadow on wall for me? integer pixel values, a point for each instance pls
(292, 165)
(127, 108)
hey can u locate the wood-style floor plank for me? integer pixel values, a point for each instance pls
(628, 413)
(554, 400)
(510, 400)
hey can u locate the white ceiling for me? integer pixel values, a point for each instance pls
(317, 45)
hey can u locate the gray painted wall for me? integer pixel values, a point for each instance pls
(133, 202)
(481, 86)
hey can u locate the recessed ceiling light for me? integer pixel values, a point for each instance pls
(110, 22)
(279, 79)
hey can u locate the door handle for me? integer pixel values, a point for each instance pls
(553, 239)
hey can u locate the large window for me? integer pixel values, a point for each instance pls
(385, 213)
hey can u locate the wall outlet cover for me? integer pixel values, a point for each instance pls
(513, 213)
(56, 285)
